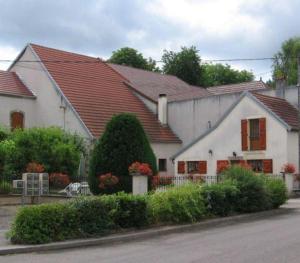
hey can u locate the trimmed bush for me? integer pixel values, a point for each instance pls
(123, 143)
(277, 191)
(220, 199)
(127, 210)
(177, 205)
(253, 194)
(44, 223)
(93, 216)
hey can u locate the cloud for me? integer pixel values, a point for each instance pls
(218, 28)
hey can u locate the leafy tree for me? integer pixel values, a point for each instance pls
(131, 57)
(285, 61)
(56, 150)
(184, 64)
(219, 74)
(123, 142)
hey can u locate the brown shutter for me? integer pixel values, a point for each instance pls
(262, 134)
(181, 167)
(268, 166)
(244, 134)
(221, 164)
(17, 120)
(202, 166)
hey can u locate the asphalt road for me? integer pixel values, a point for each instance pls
(274, 239)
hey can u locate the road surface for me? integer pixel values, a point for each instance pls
(274, 239)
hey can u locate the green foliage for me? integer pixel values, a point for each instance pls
(184, 64)
(44, 223)
(4, 133)
(219, 74)
(220, 199)
(127, 210)
(177, 205)
(131, 57)
(55, 149)
(277, 191)
(253, 194)
(93, 216)
(5, 187)
(285, 63)
(123, 142)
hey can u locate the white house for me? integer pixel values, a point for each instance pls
(50, 87)
(258, 129)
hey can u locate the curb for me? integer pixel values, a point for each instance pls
(139, 235)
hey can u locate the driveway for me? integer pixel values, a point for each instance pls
(274, 239)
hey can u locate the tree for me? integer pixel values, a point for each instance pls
(285, 61)
(123, 142)
(131, 57)
(219, 74)
(184, 64)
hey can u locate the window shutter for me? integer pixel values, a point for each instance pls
(181, 167)
(221, 165)
(202, 166)
(17, 120)
(268, 166)
(244, 134)
(262, 134)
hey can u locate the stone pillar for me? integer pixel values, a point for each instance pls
(139, 184)
(289, 182)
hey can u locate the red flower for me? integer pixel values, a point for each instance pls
(59, 180)
(34, 167)
(107, 180)
(289, 168)
(142, 168)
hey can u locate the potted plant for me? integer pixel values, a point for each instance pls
(140, 173)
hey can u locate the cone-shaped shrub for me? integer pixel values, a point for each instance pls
(123, 142)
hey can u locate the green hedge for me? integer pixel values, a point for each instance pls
(242, 191)
(177, 205)
(220, 199)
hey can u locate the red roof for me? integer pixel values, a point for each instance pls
(239, 87)
(97, 92)
(151, 84)
(283, 109)
(10, 84)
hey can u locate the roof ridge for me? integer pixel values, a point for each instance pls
(235, 84)
(65, 51)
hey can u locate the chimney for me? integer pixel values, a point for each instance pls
(163, 109)
(280, 85)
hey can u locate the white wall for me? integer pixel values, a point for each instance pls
(149, 104)
(47, 107)
(165, 151)
(292, 149)
(25, 105)
(226, 139)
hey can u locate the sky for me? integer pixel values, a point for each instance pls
(220, 29)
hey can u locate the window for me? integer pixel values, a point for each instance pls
(254, 134)
(257, 165)
(162, 165)
(16, 120)
(193, 167)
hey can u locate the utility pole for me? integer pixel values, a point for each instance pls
(298, 88)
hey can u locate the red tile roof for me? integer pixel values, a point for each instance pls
(283, 109)
(151, 84)
(240, 87)
(97, 92)
(10, 84)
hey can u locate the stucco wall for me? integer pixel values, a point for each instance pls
(292, 149)
(47, 107)
(149, 104)
(226, 139)
(25, 105)
(165, 151)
